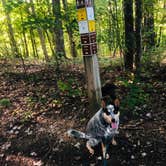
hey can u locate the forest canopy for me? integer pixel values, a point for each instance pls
(45, 90)
(48, 29)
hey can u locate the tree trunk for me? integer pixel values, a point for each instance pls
(33, 42)
(159, 36)
(138, 35)
(25, 44)
(41, 35)
(24, 38)
(58, 29)
(50, 42)
(32, 35)
(149, 34)
(111, 29)
(118, 32)
(129, 35)
(73, 50)
(10, 32)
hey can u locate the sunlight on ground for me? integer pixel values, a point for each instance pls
(58, 127)
(21, 160)
(163, 62)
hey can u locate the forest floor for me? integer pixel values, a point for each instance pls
(36, 110)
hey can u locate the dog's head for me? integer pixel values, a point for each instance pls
(115, 121)
(114, 115)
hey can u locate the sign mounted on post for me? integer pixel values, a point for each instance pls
(85, 39)
(92, 37)
(81, 14)
(83, 27)
(86, 49)
(91, 25)
(87, 30)
(86, 23)
(90, 13)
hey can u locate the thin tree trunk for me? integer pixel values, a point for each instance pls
(58, 29)
(117, 27)
(41, 35)
(49, 32)
(50, 43)
(129, 35)
(33, 42)
(24, 37)
(159, 37)
(72, 42)
(161, 29)
(138, 35)
(10, 31)
(73, 50)
(25, 44)
(111, 42)
(32, 35)
(149, 32)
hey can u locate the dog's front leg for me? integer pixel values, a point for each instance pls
(104, 151)
(91, 151)
(114, 141)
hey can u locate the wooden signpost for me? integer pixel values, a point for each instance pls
(87, 30)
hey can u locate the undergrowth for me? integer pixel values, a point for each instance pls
(135, 98)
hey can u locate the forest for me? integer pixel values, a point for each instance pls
(52, 70)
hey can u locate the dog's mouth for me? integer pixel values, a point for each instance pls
(114, 125)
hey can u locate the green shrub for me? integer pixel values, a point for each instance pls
(63, 86)
(5, 102)
(69, 88)
(135, 98)
(35, 99)
(26, 116)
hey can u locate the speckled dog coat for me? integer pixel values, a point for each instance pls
(97, 128)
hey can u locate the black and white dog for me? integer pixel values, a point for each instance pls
(102, 127)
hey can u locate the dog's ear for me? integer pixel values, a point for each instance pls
(116, 109)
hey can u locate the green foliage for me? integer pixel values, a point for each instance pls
(26, 116)
(135, 97)
(110, 62)
(151, 56)
(69, 88)
(109, 27)
(23, 115)
(62, 86)
(5, 102)
(56, 102)
(34, 99)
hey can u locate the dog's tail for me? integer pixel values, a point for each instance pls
(77, 134)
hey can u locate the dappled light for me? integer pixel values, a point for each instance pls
(82, 83)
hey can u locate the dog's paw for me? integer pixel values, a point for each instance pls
(106, 156)
(91, 151)
(99, 158)
(114, 142)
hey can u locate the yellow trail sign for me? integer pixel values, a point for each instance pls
(92, 27)
(81, 14)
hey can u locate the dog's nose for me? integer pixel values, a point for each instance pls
(113, 120)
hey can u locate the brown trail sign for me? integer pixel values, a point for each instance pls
(87, 30)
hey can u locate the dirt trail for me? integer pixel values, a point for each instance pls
(33, 126)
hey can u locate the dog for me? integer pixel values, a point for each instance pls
(101, 128)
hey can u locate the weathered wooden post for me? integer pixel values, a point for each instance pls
(87, 30)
